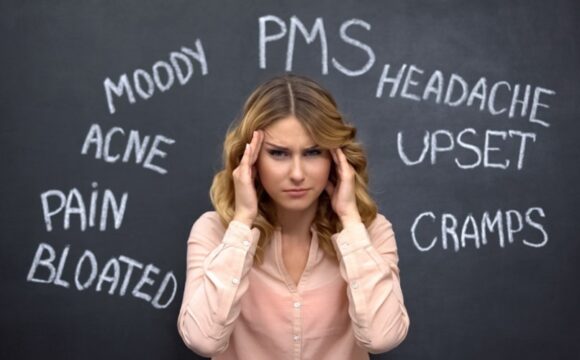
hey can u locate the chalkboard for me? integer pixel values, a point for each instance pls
(113, 116)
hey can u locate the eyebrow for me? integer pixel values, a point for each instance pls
(285, 148)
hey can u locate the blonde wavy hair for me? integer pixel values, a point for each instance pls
(280, 97)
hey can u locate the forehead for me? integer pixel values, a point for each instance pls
(288, 132)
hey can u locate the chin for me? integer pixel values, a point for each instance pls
(294, 207)
(297, 204)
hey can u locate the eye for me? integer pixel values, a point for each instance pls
(313, 152)
(277, 153)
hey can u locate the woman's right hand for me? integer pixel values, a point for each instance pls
(246, 208)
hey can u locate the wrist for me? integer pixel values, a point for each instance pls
(244, 220)
(350, 219)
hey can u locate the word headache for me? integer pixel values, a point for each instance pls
(73, 204)
(510, 221)
(145, 84)
(434, 141)
(458, 92)
(134, 144)
(318, 31)
(110, 274)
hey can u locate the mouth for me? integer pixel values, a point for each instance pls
(296, 192)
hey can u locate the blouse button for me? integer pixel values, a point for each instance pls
(354, 285)
(246, 243)
(296, 337)
(297, 304)
(235, 281)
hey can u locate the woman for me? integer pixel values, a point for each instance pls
(295, 262)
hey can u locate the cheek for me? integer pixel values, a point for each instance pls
(320, 171)
(268, 171)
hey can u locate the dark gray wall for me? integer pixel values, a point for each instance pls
(474, 289)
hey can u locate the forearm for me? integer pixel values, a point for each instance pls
(376, 306)
(214, 287)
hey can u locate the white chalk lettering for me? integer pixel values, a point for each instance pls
(133, 145)
(131, 263)
(93, 263)
(75, 205)
(113, 278)
(458, 92)
(145, 84)
(145, 279)
(318, 30)
(443, 141)
(44, 271)
(509, 224)
(161, 291)
(44, 262)
(358, 44)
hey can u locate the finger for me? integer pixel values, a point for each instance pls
(245, 156)
(344, 164)
(337, 160)
(341, 157)
(258, 145)
(333, 153)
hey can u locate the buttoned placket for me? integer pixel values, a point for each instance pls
(297, 301)
(297, 326)
(295, 305)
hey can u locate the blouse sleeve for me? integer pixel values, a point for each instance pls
(369, 264)
(218, 263)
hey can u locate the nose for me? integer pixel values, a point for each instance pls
(297, 172)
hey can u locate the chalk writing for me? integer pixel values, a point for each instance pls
(73, 204)
(318, 31)
(145, 84)
(44, 270)
(135, 145)
(456, 91)
(441, 141)
(474, 234)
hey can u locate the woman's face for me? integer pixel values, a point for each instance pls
(290, 160)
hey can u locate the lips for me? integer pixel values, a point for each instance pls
(295, 193)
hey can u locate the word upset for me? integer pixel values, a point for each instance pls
(134, 145)
(475, 233)
(442, 141)
(87, 274)
(179, 66)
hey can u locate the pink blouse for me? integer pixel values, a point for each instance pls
(233, 309)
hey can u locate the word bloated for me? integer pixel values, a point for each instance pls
(47, 269)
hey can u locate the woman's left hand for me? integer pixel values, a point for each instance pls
(342, 196)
